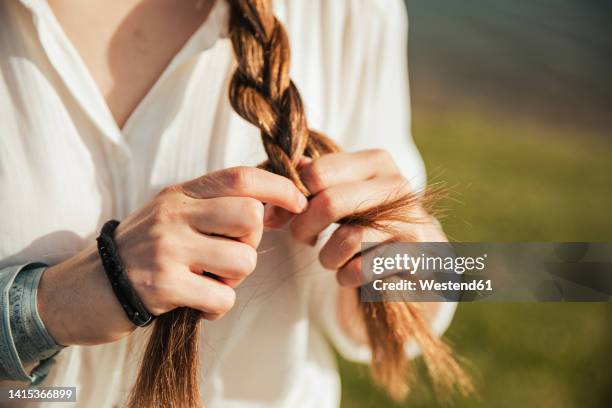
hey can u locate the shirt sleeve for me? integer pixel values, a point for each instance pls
(23, 336)
(374, 78)
(374, 112)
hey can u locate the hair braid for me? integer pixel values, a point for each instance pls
(263, 93)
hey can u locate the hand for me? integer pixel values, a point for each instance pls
(212, 224)
(342, 184)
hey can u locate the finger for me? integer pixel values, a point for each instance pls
(204, 294)
(235, 217)
(248, 182)
(230, 260)
(212, 316)
(340, 168)
(276, 217)
(335, 203)
(351, 275)
(346, 243)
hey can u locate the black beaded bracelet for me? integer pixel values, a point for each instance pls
(115, 272)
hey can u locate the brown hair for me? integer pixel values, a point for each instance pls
(262, 92)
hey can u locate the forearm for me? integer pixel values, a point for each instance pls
(45, 308)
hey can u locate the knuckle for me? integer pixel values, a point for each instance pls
(251, 213)
(384, 159)
(170, 190)
(381, 155)
(350, 236)
(345, 243)
(316, 177)
(158, 293)
(239, 178)
(224, 302)
(165, 212)
(327, 204)
(246, 261)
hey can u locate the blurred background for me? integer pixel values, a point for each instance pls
(512, 109)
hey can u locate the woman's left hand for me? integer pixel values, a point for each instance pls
(343, 184)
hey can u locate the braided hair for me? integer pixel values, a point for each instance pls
(262, 92)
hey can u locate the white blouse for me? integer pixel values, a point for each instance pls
(66, 167)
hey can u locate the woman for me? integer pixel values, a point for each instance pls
(106, 103)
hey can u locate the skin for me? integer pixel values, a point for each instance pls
(218, 218)
(122, 45)
(342, 183)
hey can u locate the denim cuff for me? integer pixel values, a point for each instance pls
(23, 336)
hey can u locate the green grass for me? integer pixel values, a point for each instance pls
(514, 181)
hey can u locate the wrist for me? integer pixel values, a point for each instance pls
(77, 305)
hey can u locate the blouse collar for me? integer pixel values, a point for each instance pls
(68, 64)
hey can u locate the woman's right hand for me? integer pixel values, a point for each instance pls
(211, 224)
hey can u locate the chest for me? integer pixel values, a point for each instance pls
(67, 168)
(61, 175)
(126, 45)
